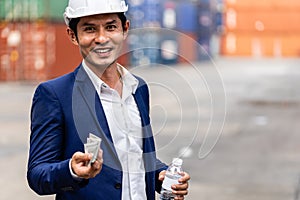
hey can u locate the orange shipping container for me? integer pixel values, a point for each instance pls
(24, 51)
(258, 4)
(262, 28)
(263, 20)
(187, 47)
(261, 45)
(66, 54)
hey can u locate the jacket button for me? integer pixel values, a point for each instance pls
(118, 185)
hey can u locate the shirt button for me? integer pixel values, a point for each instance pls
(118, 185)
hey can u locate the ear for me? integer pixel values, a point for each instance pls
(126, 29)
(72, 36)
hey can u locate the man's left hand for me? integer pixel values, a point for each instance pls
(181, 189)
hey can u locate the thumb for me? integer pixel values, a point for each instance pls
(161, 175)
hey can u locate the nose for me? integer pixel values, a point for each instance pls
(101, 37)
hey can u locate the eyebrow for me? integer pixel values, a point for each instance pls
(88, 24)
(107, 23)
(111, 22)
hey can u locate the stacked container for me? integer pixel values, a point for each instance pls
(169, 47)
(193, 21)
(143, 40)
(187, 26)
(34, 43)
(24, 51)
(204, 32)
(33, 40)
(262, 28)
(217, 9)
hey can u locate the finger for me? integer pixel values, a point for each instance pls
(161, 175)
(100, 154)
(76, 156)
(96, 167)
(92, 170)
(183, 186)
(180, 192)
(95, 170)
(97, 164)
(186, 177)
(93, 174)
(179, 197)
(78, 164)
(81, 157)
(84, 172)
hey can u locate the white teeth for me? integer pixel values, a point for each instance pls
(102, 50)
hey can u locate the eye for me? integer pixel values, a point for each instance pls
(111, 27)
(89, 29)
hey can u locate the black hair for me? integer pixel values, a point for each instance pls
(74, 21)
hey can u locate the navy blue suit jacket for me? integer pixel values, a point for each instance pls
(64, 111)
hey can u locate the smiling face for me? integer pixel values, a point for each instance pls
(100, 39)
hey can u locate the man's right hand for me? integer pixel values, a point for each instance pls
(81, 169)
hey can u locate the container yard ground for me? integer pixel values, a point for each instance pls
(256, 158)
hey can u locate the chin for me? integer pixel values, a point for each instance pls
(105, 64)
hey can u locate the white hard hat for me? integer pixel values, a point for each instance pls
(81, 8)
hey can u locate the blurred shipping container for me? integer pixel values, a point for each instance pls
(153, 13)
(35, 51)
(186, 17)
(192, 19)
(143, 46)
(144, 13)
(258, 45)
(169, 15)
(25, 51)
(32, 10)
(262, 28)
(270, 4)
(188, 47)
(266, 20)
(169, 47)
(34, 44)
(66, 56)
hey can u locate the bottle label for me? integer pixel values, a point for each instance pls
(168, 182)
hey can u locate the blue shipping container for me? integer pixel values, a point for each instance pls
(186, 17)
(143, 47)
(204, 48)
(168, 47)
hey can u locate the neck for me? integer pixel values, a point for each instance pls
(111, 76)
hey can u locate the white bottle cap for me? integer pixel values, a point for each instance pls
(177, 161)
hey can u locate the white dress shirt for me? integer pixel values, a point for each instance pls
(125, 126)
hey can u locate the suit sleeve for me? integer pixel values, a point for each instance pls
(47, 172)
(160, 167)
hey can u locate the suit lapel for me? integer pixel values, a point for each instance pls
(87, 120)
(102, 118)
(148, 145)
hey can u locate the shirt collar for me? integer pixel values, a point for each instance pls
(129, 81)
(97, 82)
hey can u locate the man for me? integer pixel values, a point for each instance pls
(99, 97)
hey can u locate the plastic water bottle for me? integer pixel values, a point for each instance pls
(173, 173)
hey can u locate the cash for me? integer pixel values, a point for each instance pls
(92, 146)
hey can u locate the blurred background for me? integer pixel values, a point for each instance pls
(34, 45)
(223, 76)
